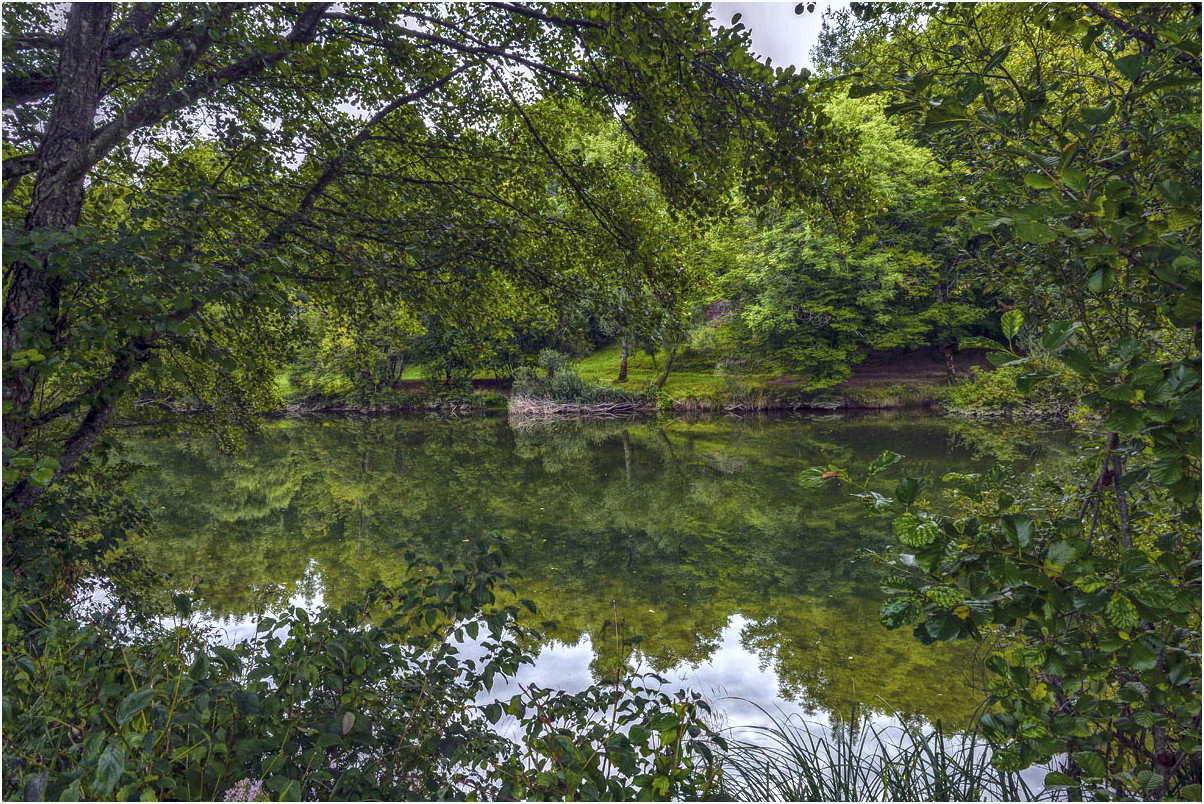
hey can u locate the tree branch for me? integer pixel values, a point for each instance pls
(1142, 36)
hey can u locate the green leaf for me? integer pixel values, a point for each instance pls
(42, 477)
(1121, 613)
(1146, 719)
(1018, 528)
(72, 792)
(898, 611)
(1062, 553)
(134, 703)
(1091, 763)
(1032, 232)
(1079, 361)
(1147, 375)
(1094, 116)
(1125, 420)
(864, 90)
(1140, 657)
(1101, 280)
(1131, 66)
(997, 58)
(945, 116)
(1075, 179)
(109, 769)
(1055, 780)
(907, 490)
(1012, 321)
(246, 701)
(1166, 471)
(1057, 333)
(978, 342)
(1148, 780)
(1038, 181)
(914, 532)
(663, 721)
(886, 459)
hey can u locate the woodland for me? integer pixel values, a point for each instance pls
(216, 215)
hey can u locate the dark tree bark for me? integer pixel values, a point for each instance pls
(659, 382)
(31, 301)
(950, 365)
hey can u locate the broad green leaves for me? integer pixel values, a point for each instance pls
(1012, 321)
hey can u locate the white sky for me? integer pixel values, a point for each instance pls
(777, 32)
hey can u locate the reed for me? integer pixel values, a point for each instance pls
(793, 760)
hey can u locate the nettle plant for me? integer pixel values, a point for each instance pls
(1084, 591)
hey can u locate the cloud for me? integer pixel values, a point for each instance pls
(777, 32)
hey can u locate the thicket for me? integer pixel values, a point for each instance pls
(1078, 130)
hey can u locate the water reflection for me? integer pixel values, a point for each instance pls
(696, 533)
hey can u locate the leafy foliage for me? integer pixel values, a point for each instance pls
(370, 700)
(1080, 130)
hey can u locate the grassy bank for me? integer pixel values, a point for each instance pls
(916, 381)
(885, 382)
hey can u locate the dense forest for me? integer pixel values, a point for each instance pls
(215, 213)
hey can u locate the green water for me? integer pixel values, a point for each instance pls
(740, 581)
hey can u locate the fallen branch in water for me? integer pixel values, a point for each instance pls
(525, 407)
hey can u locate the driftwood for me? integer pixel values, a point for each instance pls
(528, 409)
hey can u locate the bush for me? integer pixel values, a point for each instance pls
(369, 701)
(1004, 391)
(566, 386)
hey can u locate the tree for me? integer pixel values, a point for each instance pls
(812, 296)
(355, 149)
(1079, 129)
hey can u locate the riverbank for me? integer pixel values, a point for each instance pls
(912, 381)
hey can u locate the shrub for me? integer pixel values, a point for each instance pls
(368, 701)
(565, 386)
(1005, 391)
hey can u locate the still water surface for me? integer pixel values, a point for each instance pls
(742, 583)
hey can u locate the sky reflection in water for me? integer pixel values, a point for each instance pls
(743, 585)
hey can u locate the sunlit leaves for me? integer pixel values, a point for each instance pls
(1011, 321)
(886, 459)
(913, 531)
(1121, 612)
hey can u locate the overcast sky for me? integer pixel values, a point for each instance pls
(777, 32)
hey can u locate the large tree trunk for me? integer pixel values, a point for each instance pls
(32, 303)
(58, 193)
(623, 363)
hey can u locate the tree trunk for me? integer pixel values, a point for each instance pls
(627, 454)
(950, 366)
(623, 363)
(32, 300)
(659, 382)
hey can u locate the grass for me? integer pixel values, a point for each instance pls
(786, 761)
(684, 381)
(695, 386)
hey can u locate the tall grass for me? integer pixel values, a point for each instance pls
(858, 761)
